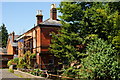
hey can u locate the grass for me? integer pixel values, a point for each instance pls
(21, 76)
(18, 75)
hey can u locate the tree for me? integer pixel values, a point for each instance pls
(64, 47)
(114, 6)
(101, 62)
(64, 44)
(91, 18)
(3, 35)
(79, 20)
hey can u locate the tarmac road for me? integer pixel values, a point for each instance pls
(6, 75)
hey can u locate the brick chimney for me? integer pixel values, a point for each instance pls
(39, 16)
(53, 12)
(13, 35)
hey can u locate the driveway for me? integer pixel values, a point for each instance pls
(6, 75)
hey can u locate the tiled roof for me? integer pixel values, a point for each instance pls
(51, 22)
(48, 22)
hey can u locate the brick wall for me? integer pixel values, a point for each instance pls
(9, 48)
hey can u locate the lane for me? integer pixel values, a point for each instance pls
(7, 74)
(0, 74)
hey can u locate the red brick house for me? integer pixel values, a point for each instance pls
(10, 51)
(38, 39)
(12, 44)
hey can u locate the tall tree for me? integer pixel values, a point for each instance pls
(64, 44)
(3, 35)
(79, 19)
(91, 18)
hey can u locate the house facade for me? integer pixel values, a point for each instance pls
(10, 51)
(12, 44)
(38, 39)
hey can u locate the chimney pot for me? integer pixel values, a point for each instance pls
(39, 12)
(53, 6)
(39, 16)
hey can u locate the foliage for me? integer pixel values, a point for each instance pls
(33, 55)
(10, 62)
(16, 60)
(71, 72)
(114, 6)
(25, 62)
(80, 20)
(13, 61)
(27, 59)
(116, 41)
(101, 62)
(3, 35)
(36, 72)
(64, 47)
(21, 63)
(91, 18)
(11, 70)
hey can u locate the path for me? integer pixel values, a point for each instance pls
(6, 75)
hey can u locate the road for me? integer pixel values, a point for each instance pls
(6, 75)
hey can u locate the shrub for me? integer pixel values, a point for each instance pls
(15, 61)
(24, 62)
(10, 62)
(33, 55)
(36, 72)
(100, 62)
(21, 63)
(11, 70)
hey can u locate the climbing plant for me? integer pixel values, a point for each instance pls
(23, 62)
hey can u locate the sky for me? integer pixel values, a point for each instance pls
(21, 16)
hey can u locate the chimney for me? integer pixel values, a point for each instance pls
(39, 16)
(53, 12)
(13, 34)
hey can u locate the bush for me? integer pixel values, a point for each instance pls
(15, 61)
(11, 70)
(36, 72)
(21, 63)
(100, 62)
(33, 55)
(10, 62)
